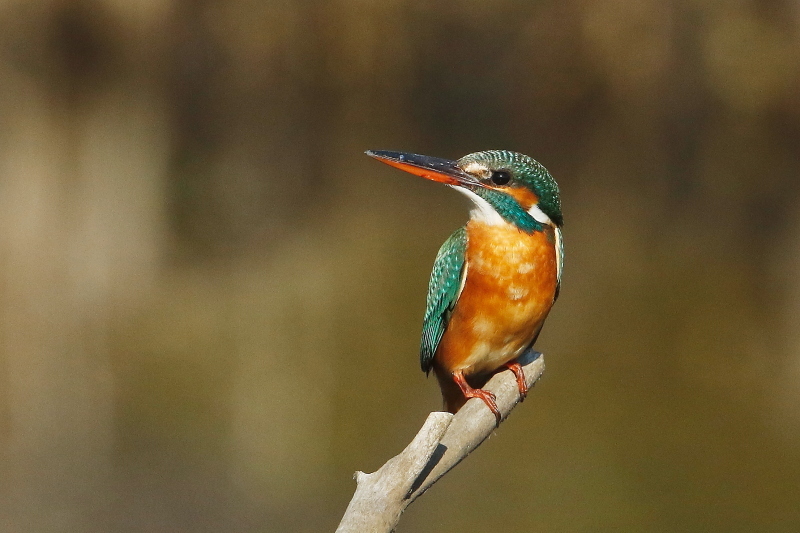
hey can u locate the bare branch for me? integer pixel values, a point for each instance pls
(443, 441)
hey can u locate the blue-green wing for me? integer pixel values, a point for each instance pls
(443, 291)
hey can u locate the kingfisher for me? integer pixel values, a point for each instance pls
(495, 279)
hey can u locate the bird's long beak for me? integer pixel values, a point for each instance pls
(432, 168)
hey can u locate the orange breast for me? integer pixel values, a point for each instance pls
(509, 289)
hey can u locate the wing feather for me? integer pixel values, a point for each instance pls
(444, 288)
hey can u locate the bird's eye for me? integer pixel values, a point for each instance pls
(500, 177)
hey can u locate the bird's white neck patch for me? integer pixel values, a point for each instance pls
(483, 210)
(538, 215)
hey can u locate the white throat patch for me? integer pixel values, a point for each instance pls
(483, 211)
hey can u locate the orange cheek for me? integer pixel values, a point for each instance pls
(524, 196)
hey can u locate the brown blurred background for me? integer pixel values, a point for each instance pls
(211, 299)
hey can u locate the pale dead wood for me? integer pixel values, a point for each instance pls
(443, 441)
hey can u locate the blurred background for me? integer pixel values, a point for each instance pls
(211, 299)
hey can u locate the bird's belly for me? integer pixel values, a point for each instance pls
(509, 289)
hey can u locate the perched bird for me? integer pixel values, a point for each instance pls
(495, 279)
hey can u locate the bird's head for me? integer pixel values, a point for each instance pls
(505, 186)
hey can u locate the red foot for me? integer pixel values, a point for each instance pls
(516, 368)
(487, 397)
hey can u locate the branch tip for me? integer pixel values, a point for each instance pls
(442, 442)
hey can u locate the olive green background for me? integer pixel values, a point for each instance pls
(211, 299)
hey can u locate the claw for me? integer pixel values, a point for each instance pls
(488, 397)
(516, 368)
